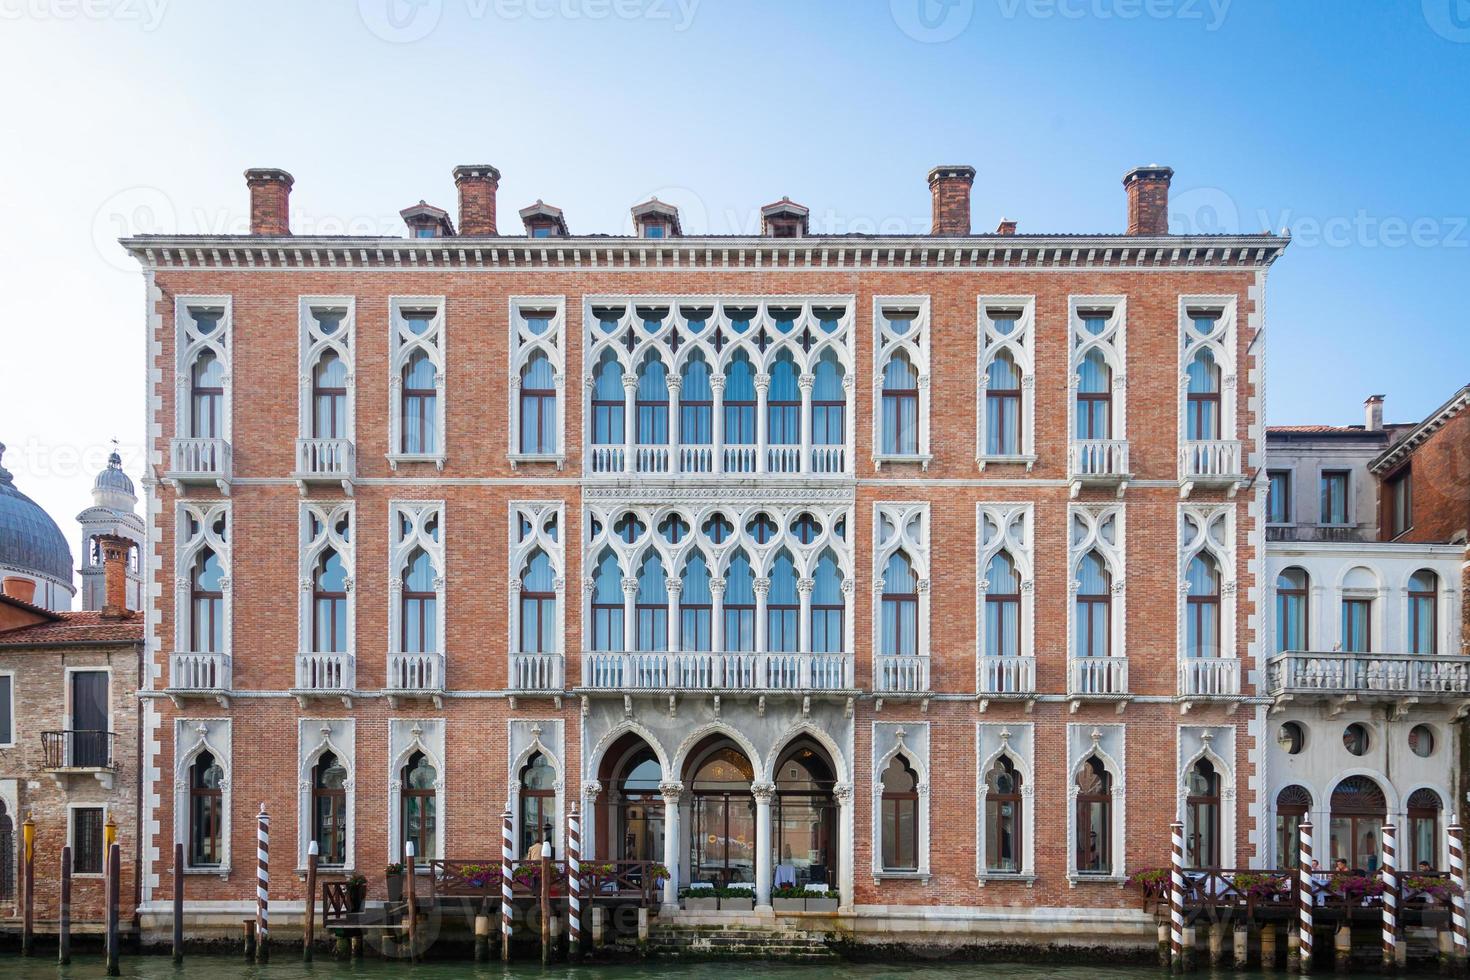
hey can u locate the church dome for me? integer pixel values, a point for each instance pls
(30, 541)
(113, 479)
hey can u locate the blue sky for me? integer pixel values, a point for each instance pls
(1342, 119)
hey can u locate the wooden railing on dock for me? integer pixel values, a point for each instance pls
(1256, 894)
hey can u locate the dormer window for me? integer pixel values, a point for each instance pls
(655, 219)
(784, 219)
(543, 221)
(426, 221)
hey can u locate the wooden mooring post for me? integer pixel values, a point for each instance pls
(28, 886)
(308, 936)
(63, 925)
(507, 903)
(546, 896)
(178, 903)
(114, 873)
(574, 885)
(413, 912)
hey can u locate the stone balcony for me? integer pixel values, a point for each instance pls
(709, 460)
(1210, 463)
(1097, 679)
(415, 675)
(325, 676)
(1398, 679)
(204, 675)
(537, 672)
(901, 674)
(1207, 679)
(199, 462)
(1097, 463)
(664, 671)
(325, 462)
(1006, 679)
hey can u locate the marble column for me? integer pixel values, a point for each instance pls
(764, 793)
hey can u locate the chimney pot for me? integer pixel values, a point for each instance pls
(16, 587)
(270, 200)
(1148, 199)
(949, 190)
(1373, 413)
(477, 184)
(115, 549)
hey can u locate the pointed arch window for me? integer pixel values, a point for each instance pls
(696, 403)
(206, 396)
(1003, 406)
(1003, 818)
(1202, 612)
(829, 402)
(420, 406)
(739, 605)
(607, 604)
(329, 810)
(1094, 397)
(538, 800)
(1093, 632)
(652, 402)
(206, 812)
(207, 604)
(608, 427)
(329, 398)
(1291, 610)
(900, 816)
(900, 607)
(329, 604)
(1094, 823)
(783, 403)
(696, 606)
(1202, 816)
(1202, 416)
(783, 607)
(420, 606)
(538, 605)
(538, 405)
(827, 605)
(900, 406)
(739, 401)
(652, 605)
(1423, 618)
(418, 798)
(1002, 607)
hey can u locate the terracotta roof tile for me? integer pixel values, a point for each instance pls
(76, 627)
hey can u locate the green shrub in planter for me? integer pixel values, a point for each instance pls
(700, 899)
(822, 901)
(789, 898)
(736, 899)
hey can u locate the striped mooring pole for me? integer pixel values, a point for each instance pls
(1176, 897)
(1305, 895)
(1457, 878)
(1390, 895)
(574, 883)
(262, 883)
(507, 907)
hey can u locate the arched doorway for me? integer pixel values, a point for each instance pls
(722, 813)
(1292, 806)
(630, 820)
(1358, 812)
(804, 818)
(1423, 813)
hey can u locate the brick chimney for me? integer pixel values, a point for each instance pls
(1373, 413)
(270, 201)
(115, 575)
(16, 587)
(1148, 199)
(949, 187)
(477, 185)
(1006, 227)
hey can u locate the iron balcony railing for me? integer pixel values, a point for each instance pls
(1391, 675)
(77, 749)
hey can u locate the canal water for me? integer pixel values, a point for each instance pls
(87, 967)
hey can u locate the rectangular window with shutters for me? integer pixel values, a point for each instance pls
(1400, 502)
(1334, 497)
(86, 839)
(7, 709)
(1278, 497)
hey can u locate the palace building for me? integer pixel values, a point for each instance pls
(929, 569)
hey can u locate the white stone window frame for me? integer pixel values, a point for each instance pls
(908, 532)
(328, 513)
(915, 344)
(804, 557)
(544, 516)
(524, 738)
(315, 345)
(1015, 741)
(1108, 743)
(400, 546)
(1112, 343)
(1377, 595)
(193, 736)
(405, 737)
(1020, 343)
(911, 740)
(1220, 342)
(1095, 518)
(186, 551)
(1446, 609)
(1196, 742)
(1015, 535)
(402, 345)
(841, 341)
(523, 345)
(72, 806)
(314, 737)
(189, 343)
(1207, 529)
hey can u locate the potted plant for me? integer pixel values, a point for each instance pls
(480, 876)
(736, 899)
(826, 901)
(789, 898)
(700, 899)
(356, 892)
(394, 874)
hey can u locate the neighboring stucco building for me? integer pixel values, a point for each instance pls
(1367, 535)
(925, 567)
